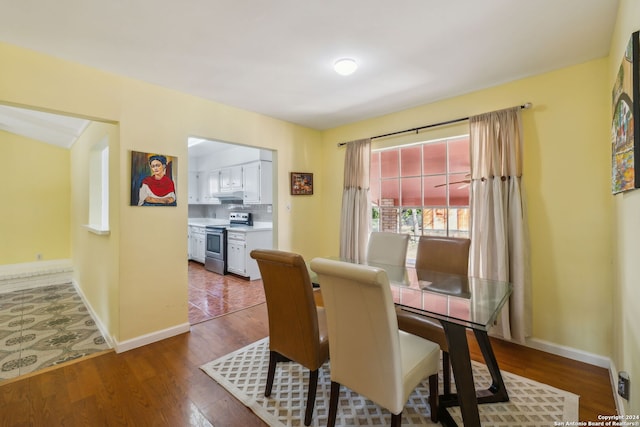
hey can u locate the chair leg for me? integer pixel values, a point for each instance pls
(396, 420)
(333, 404)
(433, 397)
(271, 373)
(311, 396)
(446, 373)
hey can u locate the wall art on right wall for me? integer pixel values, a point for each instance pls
(301, 183)
(625, 128)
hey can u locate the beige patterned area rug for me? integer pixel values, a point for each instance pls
(44, 327)
(244, 372)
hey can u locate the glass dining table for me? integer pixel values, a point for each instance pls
(459, 303)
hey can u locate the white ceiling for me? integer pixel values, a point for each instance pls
(275, 57)
(201, 147)
(46, 127)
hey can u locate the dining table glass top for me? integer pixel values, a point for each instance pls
(468, 301)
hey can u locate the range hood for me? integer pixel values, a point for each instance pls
(229, 196)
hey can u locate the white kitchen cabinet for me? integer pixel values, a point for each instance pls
(257, 183)
(203, 187)
(239, 246)
(197, 243)
(194, 195)
(231, 179)
(214, 186)
(237, 257)
(208, 184)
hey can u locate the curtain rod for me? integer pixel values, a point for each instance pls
(524, 106)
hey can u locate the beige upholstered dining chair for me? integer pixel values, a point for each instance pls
(446, 255)
(387, 248)
(369, 355)
(297, 328)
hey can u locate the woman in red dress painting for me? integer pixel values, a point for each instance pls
(158, 188)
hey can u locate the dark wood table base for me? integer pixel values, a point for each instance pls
(467, 397)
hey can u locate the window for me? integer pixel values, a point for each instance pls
(422, 189)
(99, 187)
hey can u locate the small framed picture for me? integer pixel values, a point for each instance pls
(301, 183)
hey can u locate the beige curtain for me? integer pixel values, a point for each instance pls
(499, 239)
(356, 209)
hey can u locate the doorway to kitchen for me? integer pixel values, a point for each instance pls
(227, 181)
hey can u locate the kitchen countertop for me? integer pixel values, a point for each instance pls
(257, 225)
(203, 222)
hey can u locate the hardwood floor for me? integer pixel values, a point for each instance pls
(161, 384)
(590, 382)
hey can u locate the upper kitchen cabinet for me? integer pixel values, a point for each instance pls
(229, 173)
(257, 183)
(194, 194)
(209, 184)
(231, 179)
(200, 188)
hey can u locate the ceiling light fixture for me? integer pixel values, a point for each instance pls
(345, 66)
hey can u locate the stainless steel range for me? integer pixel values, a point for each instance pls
(216, 249)
(216, 241)
(240, 219)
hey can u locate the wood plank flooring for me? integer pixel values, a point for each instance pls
(590, 382)
(161, 384)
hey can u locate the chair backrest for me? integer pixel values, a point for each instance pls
(387, 248)
(363, 330)
(444, 254)
(293, 316)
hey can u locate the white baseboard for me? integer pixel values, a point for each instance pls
(151, 338)
(135, 342)
(582, 356)
(569, 353)
(29, 275)
(101, 327)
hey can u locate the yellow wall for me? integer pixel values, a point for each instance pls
(576, 252)
(626, 328)
(152, 246)
(566, 179)
(95, 257)
(34, 212)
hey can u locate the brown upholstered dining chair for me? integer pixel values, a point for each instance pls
(297, 328)
(446, 255)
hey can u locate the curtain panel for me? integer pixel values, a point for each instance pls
(356, 215)
(499, 236)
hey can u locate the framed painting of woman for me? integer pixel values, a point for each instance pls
(152, 179)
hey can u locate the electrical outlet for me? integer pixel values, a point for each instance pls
(623, 385)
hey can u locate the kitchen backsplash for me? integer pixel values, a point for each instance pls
(261, 213)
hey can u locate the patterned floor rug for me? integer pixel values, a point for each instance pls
(243, 373)
(44, 327)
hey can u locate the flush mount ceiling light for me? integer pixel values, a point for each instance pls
(345, 66)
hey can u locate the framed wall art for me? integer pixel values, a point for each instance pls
(152, 179)
(301, 183)
(625, 127)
